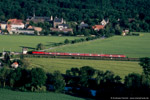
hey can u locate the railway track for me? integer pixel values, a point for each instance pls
(80, 57)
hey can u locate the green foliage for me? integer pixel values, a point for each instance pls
(73, 72)
(109, 76)
(137, 85)
(66, 41)
(38, 77)
(40, 46)
(4, 72)
(86, 73)
(145, 63)
(25, 63)
(58, 82)
(7, 59)
(38, 89)
(145, 81)
(15, 77)
(133, 81)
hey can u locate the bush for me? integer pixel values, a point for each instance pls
(135, 34)
(57, 81)
(66, 41)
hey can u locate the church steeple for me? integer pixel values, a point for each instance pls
(51, 18)
(33, 12)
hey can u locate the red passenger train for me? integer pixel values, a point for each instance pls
(78, 54)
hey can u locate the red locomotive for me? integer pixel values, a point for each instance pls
(78, 54)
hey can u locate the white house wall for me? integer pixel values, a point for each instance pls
(17, 26)
(3, 26)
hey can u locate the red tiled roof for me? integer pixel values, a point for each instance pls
(39, 29)
(15, 21)
(15, 63)
(30, 27)
(98, 27)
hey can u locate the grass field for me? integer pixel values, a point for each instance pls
(16, 42)
(131, 46)
(14, 95)
(120, 68)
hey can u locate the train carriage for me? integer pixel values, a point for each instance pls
(78, 54)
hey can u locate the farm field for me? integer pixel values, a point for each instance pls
(121, 68)
(131, 46)
(15, 95)
(16, 42)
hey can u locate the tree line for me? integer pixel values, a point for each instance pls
(81, 80)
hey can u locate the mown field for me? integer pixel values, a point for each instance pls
(16, 42)
(14, 95)
(121, 68)
(131, 46)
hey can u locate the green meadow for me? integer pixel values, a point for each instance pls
(16, 42)
(131, 46)
(121, 68)
(16, 95)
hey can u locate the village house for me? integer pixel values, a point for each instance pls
(23, 31)
(30, 27)
(24, 50)
(98, 27)
(3, 25)
(14, 24)
(104, 22)
(63, 26)
(125, 32)
(37, 19)
(83, 25)
(38, 29)
(59, 25)
(15, 65)
(62, 30)
(57, 21)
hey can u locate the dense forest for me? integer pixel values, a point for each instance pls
(132, 14)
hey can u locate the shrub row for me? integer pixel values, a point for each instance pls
(66, 41)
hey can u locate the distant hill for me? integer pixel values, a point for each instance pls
(131, 14)
(75, 9)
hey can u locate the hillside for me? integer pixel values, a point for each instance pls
(74, 10)
(131, 46)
